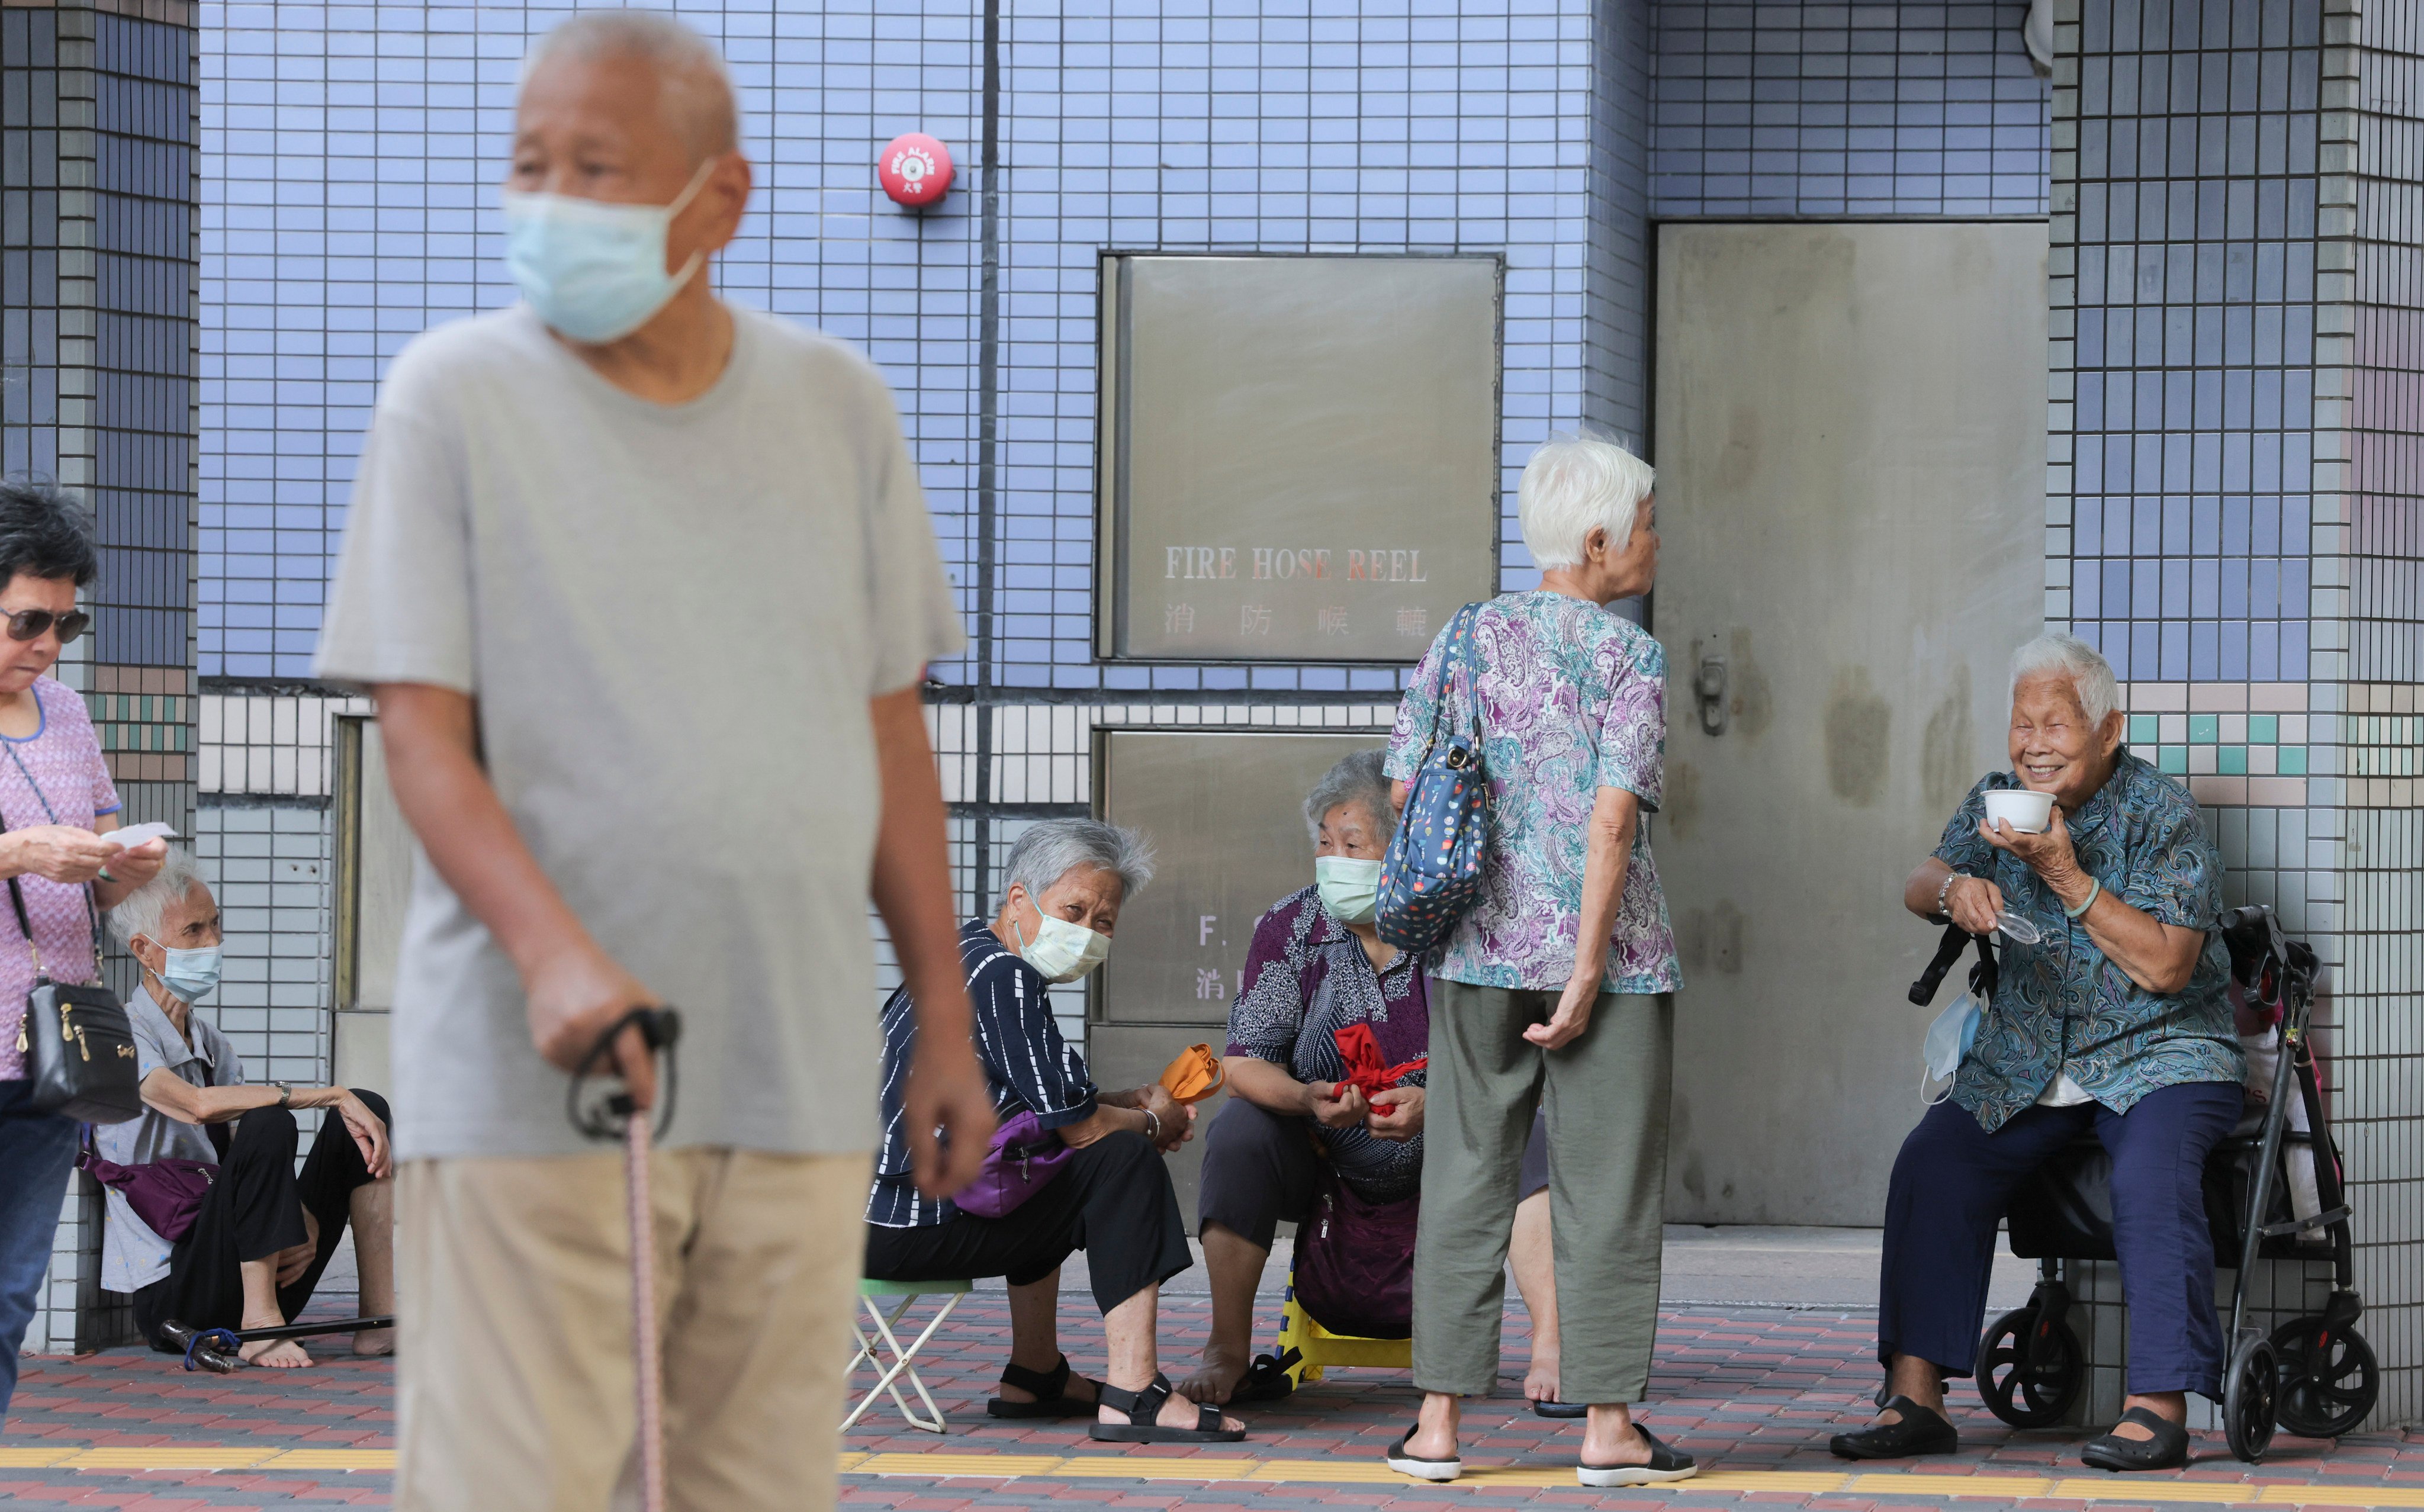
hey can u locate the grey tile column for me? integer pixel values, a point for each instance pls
(97, 393)
(2231, 487)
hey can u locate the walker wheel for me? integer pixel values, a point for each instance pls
(2250, 1392)
(2329, 1380)
(2029, 1396)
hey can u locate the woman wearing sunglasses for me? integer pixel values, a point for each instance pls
(57, 800)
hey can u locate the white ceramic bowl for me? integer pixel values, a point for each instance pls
(2027, 812)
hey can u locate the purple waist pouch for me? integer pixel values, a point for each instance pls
(1022, 1159)
(166, 1194)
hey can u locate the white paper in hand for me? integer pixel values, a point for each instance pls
(136, 833)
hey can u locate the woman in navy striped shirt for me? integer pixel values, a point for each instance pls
(1113, 1199)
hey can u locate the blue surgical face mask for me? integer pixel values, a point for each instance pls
(593, 269)
(1948, 1040)
(192, 975)
(1350, 887)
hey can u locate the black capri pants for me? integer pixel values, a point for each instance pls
(1260, 1166)
(254, 1210)
(1113, 1199)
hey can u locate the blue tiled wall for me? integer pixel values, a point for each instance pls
(351, 154)
(348, 195)
(2191, 411)
(1779, 107)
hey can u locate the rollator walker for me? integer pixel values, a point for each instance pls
(2315, 1376)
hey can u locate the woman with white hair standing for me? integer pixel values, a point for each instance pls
(2115, 1020)
(1555, 990)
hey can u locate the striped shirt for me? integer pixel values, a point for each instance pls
(1027, 1067)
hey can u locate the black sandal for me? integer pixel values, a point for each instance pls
(1145, 1412)
(1422, 1467)
(1917, 1431)
(1267, 1379)
(1051, 1388)
(2167, 1450)
(1665, 1464)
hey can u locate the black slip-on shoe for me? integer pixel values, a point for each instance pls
(1561, 1410)
(1919, 1432)
(1665, 1464)
(2167, 1450)
(1422, 1467)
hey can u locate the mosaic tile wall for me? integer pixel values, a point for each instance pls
(1782, 107)
(2370, 390)
(2234, 464)
(97, 124)
(29, 242)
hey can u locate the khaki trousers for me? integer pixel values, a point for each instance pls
(1606, 1096)
(514, 1388)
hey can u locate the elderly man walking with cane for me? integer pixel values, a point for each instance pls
(644, 585)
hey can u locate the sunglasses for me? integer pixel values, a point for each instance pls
(27, 624)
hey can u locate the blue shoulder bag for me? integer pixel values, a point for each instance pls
(1432, 873)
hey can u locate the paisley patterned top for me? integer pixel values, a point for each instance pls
(1572, 699)
(1306, 975)
(2060, 1005)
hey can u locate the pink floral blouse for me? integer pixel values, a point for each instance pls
(57, 776)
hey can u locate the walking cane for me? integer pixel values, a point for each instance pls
(615, 1116)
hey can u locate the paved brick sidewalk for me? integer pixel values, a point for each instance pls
(1746, 1389)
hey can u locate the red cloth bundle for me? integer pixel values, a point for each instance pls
(1365, 1070)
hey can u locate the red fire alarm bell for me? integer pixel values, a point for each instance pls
(916, 170)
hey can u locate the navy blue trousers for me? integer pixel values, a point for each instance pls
(1953, 1180)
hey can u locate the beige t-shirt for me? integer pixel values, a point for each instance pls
(673, 619)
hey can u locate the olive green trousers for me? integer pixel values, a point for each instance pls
(1606, 1094)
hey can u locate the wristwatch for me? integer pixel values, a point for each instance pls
(285, 1093)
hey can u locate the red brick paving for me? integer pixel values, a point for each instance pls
(1743, 1388)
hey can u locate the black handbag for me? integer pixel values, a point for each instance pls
(78, 1044)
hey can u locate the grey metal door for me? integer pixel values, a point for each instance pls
(1851, 448)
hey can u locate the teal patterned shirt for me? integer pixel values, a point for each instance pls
(2060, 1005)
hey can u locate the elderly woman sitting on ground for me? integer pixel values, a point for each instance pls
(1316, 965)
(2115, 1021)
(264, 1232)
(1113, 1198)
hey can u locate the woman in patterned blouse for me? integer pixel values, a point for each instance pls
(1316, 965)
(2116, 1021)
(1556, 991)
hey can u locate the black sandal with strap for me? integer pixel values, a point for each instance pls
(1051, 1389)
(1145, 1419)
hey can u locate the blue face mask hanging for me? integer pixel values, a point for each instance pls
(1948, 1040)
(593, 269)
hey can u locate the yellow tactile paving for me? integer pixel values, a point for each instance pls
(1806, 1482)
(333, 1459)
(1156, 1468)
(1365, 1471)
(1358, 1470)
(1887, 1482)
(43, 1459)
(170, 1456)
(943, 1465)
(2105, 1487)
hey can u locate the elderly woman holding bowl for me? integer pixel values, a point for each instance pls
(1555, 991)
(2115, 1021)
